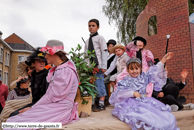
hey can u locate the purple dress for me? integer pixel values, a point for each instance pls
(145, 112)
(57, 105)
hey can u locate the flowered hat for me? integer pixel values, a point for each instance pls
(53, 46)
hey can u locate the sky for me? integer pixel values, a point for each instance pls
(191, 18)
(37, 21)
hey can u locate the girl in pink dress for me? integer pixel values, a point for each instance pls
(57, 105)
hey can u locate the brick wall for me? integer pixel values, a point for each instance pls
(173, 19)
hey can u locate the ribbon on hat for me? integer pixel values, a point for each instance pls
(51, 50)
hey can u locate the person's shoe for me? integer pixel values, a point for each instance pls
(106, 103)
(174, 108)
(189, 106)
(99, 108)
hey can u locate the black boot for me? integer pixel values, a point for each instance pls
(100, 107)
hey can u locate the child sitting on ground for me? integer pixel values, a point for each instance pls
(131, 104)
(136, 48)
(170, 92)
(119, 62)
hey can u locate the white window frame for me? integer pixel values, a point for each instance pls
(1, 55)
(7, 55)
(25, 58)
(5, 77)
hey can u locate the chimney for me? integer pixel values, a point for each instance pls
(1, 34)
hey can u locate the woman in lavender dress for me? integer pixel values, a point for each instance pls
(132, 106)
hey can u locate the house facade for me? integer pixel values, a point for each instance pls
(13, 51)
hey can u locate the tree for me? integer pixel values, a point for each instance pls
(124, 13)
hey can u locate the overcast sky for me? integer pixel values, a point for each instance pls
(37, 21)
(191, 18)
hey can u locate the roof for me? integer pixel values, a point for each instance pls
(17, 43)
(2, 41)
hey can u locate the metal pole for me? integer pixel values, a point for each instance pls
(83, 40)
(167, 46)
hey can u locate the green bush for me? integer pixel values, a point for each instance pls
(85, 71)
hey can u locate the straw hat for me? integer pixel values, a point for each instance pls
(116, 47)
(21, 69)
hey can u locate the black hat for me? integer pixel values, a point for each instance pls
(138, 38)
(111, 41)
(35, 55)
(21, 81)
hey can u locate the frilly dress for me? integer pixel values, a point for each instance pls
(57, 105)
(147, 61)
(145, 112)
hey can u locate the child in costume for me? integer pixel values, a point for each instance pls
(97, 43)
(136, 48)
(170, 93)
(119, 62)
(131, 104)
(57, 104)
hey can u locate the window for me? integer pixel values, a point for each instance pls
(6, 78)
(1, 55)
(152, 26)
(7, 58)
(21, 58)
(1, 76)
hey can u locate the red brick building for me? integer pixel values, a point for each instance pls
(173, 19)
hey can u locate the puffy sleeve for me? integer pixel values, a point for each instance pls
(63, 81)
(131, 49)
(157, 75)
(149, 55)
(123, 91)
(11, 95)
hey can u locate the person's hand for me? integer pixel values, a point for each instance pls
(166, 57)
(104, 76)
(169, 55)
(23, 110)
(136, 94)
(161, 94)
(19, 78)
(103, 70)
(29, 89)
(184, 73)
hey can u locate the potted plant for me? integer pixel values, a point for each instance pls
(86, 72)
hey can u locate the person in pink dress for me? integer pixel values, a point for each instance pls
(57, 105)
(136, 48)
